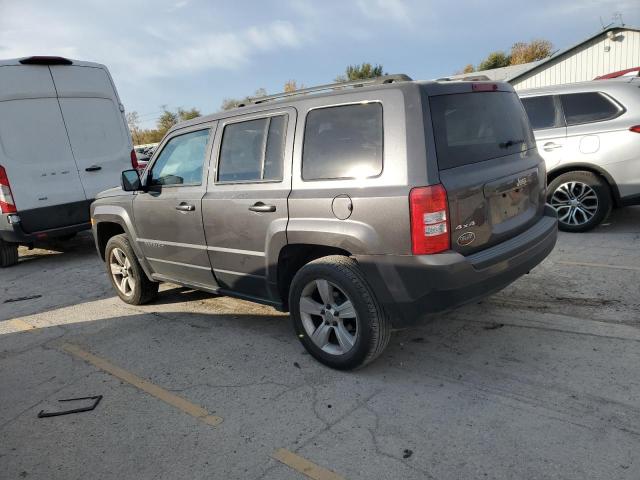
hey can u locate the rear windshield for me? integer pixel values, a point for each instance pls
(477, 126)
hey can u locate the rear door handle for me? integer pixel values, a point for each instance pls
(185, 207)
(549, 146)
(261, 207)
(93, 168)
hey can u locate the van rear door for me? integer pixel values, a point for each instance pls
(488, 163)
(35, 151)
(97, 130)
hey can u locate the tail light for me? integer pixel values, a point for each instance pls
(7, 204)
(134, 160)
(635, 128)
(429, 220)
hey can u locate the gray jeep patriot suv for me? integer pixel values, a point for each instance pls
(357, 207)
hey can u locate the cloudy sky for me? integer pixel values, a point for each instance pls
(197, 52)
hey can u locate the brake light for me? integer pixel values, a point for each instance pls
(429, 220)
(7, 204)
(484, 87)
(635, 128)
(134, 160)
(45, 60)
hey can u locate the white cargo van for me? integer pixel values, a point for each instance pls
(63, 139)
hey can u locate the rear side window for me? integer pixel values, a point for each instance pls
(253, 151)
(343, 142)
(473, 127)
(180, 161)
(588, 107)
(542, 112)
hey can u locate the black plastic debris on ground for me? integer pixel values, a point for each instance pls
(493, 326)
(21, 299)
(96, 401)
(407, 453)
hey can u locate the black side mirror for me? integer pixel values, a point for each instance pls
(131, 181)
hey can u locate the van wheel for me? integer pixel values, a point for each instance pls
(126, 274)
(582, 200)
(336, 315)
(8, 254)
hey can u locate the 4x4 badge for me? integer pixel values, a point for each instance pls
(466, 238)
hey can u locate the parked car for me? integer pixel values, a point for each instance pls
(63, 139)
(589, 136)
(357, 207)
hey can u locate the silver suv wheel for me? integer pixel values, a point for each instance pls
(575, 202)
(121, 272)
(329, 317)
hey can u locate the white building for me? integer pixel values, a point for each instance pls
(608, 51)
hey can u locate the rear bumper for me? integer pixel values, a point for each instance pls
(13, 233)
(412, 287)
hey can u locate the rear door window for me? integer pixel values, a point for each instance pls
(181, 160)
(478, 126)
(588, 107)
(253, 151)
(343, 142)
(542, 112)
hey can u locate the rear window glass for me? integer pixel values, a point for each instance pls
(473, 127)
(588, 107)
(343, 142)
(253, 151)
(542, 112)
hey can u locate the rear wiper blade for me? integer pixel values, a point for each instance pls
(510, 143)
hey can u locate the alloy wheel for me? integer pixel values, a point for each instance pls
(121, 271)
(329, 317)
(575, 202)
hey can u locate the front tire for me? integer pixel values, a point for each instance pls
(126, 275)
(582, 200)
(8, 254)
(336, 314)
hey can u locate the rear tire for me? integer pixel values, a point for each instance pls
(581, 198)
(126, 275)
(8, 254)
(340, 323)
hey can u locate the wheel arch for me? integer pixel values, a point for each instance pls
(589, 167)
(293, 257)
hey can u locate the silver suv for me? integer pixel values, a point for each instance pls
(357, 207)
(589, 136)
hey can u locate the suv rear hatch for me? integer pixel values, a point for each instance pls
(488, 162)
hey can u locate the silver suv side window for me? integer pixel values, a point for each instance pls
(253, 151)
(588, 107)
(180, 161)
(343, 142)
(542, 112)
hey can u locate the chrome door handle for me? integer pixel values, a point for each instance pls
(93, 168)
(185, 207)
(549, 146)
(261, 207)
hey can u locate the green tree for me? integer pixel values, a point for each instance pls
(185, 115)
(495, 60)
(522, 52)
(230, 103)
(360, 72)
(291, 86)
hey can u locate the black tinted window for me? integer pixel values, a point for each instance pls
(542, 112)
(587, 107)
(253, 150)
(181, 160)
(473, 127)
(343, 142)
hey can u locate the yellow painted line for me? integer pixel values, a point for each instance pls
(21, 325)
(304, 466)
(144, 385)
(598, 265)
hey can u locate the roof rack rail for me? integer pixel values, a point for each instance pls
(400, 77)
